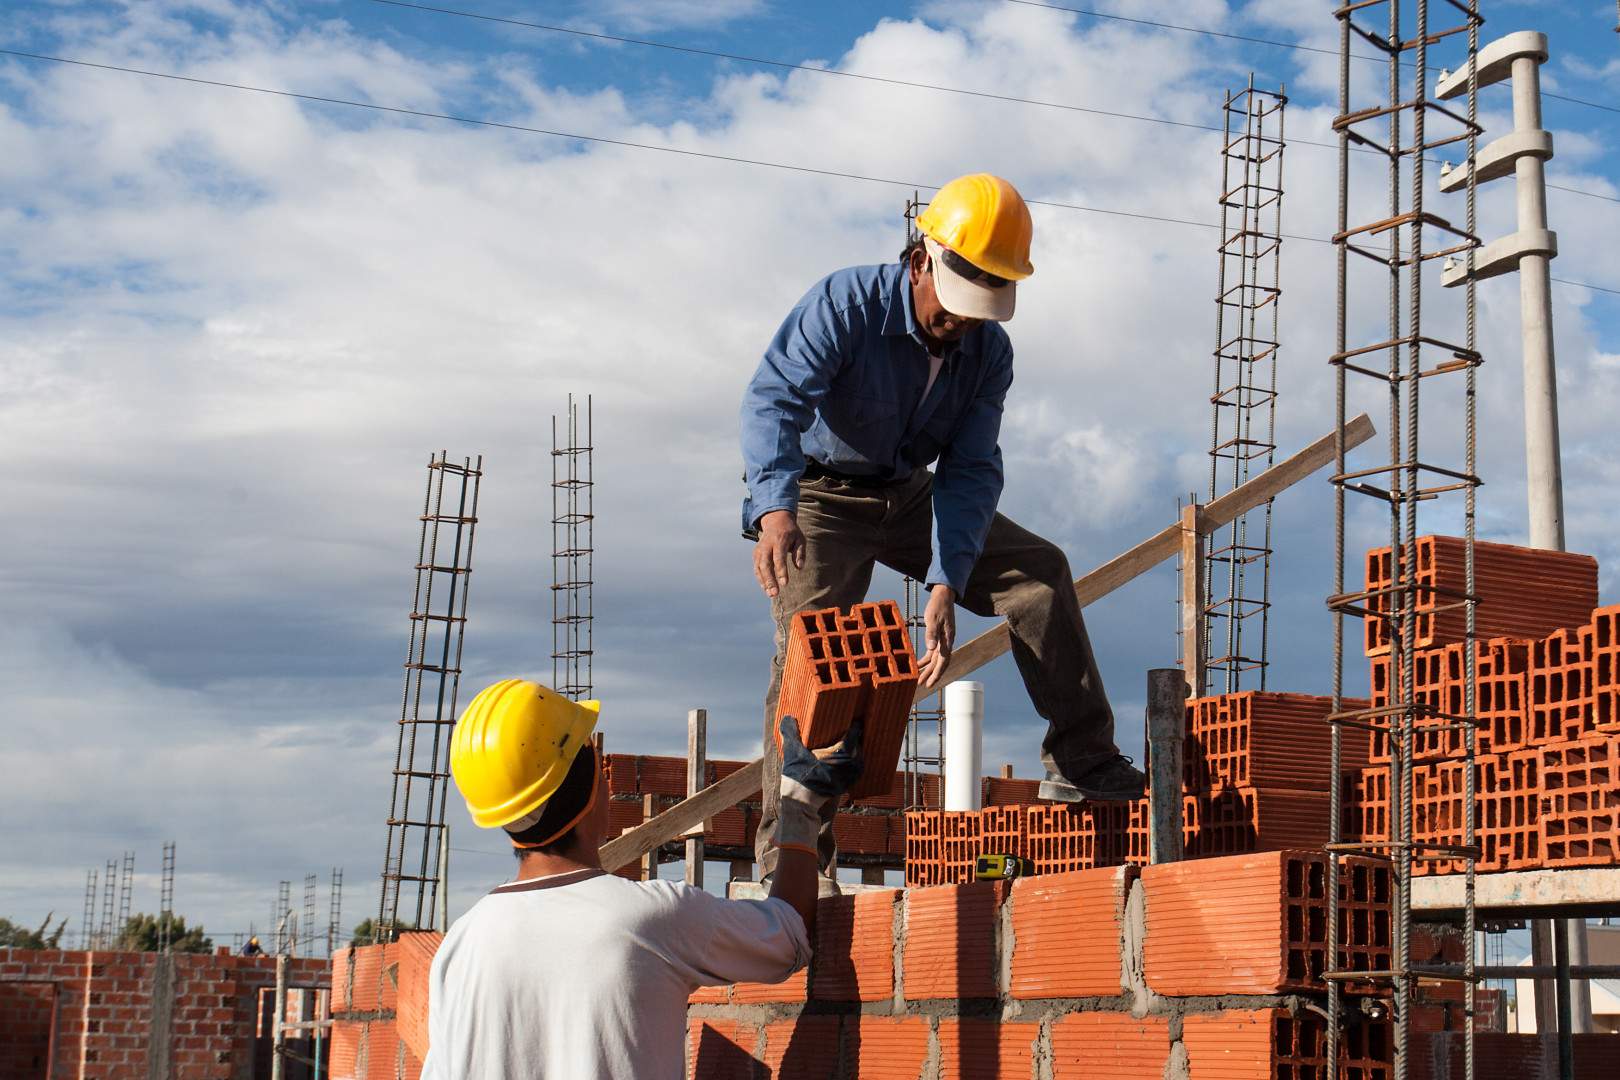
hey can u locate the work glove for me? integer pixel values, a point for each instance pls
(810, 782)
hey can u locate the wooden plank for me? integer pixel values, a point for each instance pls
(973, 655)
(1127, 567)
(1193, 652)
(697, 736)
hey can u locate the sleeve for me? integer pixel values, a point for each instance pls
(744, 940)
(809, 349)
(968, 481)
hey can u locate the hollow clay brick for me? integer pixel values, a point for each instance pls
(1580, 806)
(1257, 924)
(1109, 1046)
(1067, 932)
(854, 957)
(840, 667)
(416, 951)
(721, 1049)
(972, 1049)
(1523, 592)
(889, 1048)
(1264, 738)
(806, 1048)
(1265, 1043)
(790, 989)
(950, 949)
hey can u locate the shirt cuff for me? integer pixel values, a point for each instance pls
(953, 572)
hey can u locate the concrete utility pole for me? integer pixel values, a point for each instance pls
(1523, 154)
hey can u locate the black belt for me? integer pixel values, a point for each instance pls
(815, 470)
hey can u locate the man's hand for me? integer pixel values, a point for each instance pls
(939, 633)
(780, 542)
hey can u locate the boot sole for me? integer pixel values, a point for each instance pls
(1054, 791)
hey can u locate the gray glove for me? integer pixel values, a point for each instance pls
(810, 782)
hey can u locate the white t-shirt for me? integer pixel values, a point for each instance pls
(586, 975)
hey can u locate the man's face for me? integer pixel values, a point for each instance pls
(936, 323)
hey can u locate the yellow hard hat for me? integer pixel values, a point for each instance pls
(512, 749)
(983, 219)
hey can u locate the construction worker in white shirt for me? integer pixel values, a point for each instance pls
(568, 971)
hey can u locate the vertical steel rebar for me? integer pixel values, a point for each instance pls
(282, 917)
(1405, 225)
(1237, 576)
(573, 553)
(109, 898)
(334, 911)
(432, 668)
(87, 926)
(166, 909)
(925, 730)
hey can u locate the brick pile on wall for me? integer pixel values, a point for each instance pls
(1547, 695)
(1256, 778)
(379, 1008)
(1201, 969)
(135, 1016)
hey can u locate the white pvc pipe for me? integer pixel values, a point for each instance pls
(964, 744)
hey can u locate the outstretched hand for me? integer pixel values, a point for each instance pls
(939, 633)
(827, 773)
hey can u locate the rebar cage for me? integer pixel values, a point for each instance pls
(1384, 245)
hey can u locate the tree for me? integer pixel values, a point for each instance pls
(366, 932)
(15, 936)
(142, 932)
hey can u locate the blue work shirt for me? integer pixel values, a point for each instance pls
(842, 383)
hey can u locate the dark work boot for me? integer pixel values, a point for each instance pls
(1115, 780)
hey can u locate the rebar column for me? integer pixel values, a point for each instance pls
(166, 912)
(1236, 602)
(334, 911)
(573, 552)
(87, 926)
(924, 754)
(449, 520)
(1385, 254)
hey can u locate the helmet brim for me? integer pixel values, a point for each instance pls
(966, 298)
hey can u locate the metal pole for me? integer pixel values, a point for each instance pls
(277, 1037)
(1566, 1035)
(697, 736)
(1167, 691)
(444, 877)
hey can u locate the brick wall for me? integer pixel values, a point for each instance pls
(1107, 972)
(369, 1006)
(135, 1016)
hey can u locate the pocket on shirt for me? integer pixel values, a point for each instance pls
(866, 411)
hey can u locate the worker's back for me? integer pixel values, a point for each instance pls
(586, 975)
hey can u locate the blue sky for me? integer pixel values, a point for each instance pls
(232, 326)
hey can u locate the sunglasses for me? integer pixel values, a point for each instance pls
(962, 268)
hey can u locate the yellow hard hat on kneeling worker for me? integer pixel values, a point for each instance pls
(512, 749)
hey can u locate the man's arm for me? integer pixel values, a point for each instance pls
(778, 407)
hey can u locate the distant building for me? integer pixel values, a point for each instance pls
(1603, 946)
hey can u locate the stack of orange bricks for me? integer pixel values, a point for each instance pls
(1547, 682)
(1256, 778)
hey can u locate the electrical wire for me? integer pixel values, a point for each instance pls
(1263, 41)
(627, 144)
(891, 81)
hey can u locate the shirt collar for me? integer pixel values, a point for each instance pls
(900, 318)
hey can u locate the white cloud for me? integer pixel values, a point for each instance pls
(236, 325)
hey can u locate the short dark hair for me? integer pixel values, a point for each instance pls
(565, 806)
(911, 245)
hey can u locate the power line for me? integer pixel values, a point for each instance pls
(1584, 285)
(1261, 41)
(625, 143)
(891, 81)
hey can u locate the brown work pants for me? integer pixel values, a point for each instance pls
(1019, 576)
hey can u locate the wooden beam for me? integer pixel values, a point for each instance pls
(1125, 568)
(689, 813)
(1193, 652)
(697, 736)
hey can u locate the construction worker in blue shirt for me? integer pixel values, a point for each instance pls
(876, 374)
